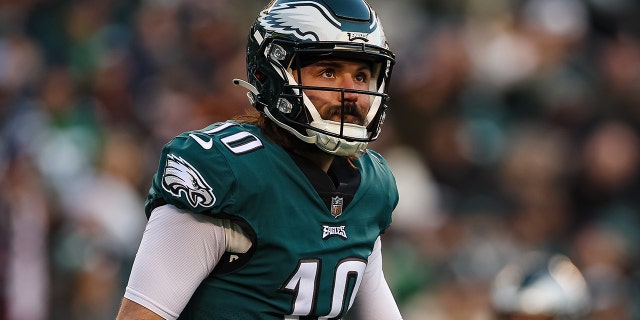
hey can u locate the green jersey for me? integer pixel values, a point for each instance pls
(310, 246)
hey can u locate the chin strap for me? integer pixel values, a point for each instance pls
(307, 139)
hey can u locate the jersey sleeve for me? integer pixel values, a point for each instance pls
(193, 174)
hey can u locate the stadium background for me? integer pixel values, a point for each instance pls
(513, 128)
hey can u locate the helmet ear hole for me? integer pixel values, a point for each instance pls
(260, 76)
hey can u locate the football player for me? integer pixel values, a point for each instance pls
(540, 286)
(278, 214)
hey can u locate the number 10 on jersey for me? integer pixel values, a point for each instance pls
(304, 283)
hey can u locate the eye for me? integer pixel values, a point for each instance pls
(328, 73)
(362, 77)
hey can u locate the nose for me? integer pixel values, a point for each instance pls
(348, 83)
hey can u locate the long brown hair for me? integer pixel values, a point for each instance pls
(275, 133)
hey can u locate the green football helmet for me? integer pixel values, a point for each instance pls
(289, 34)
(540, 285)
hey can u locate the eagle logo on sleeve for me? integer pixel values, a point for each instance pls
(180, 177)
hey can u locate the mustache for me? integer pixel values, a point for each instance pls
(350, 109)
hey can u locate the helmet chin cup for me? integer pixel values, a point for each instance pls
(338, 146)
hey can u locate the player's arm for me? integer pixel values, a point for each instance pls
(130, 310)
(374, 299)
(177, 252)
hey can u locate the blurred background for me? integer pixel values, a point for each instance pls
(513, 130)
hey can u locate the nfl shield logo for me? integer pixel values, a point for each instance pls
(336, 206)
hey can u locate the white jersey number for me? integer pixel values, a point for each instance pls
(303, 285)
(239, 143)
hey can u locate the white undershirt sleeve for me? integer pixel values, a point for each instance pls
(177, 252)
(374, 300)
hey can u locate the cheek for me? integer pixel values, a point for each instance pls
(319, 98)
(364, 103)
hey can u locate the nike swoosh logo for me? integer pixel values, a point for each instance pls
(204, 144)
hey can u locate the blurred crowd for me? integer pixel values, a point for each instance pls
(514, 127)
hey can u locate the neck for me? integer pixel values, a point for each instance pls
(309, 151)
(320, 158)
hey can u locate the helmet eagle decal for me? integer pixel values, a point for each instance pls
(298, 19)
